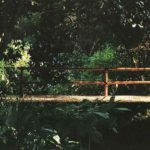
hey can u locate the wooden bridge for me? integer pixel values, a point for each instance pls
(77, 98)
(74, 98)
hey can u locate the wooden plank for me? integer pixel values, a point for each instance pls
(78, 98)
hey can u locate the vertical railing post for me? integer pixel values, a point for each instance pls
(106, 82)
(21, 82)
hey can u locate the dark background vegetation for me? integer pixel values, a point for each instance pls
(68, 33)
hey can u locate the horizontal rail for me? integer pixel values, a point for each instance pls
(109, 69)
(88, 69)
(128, 82)
(109, 83)
(88, 82)
(129, 69)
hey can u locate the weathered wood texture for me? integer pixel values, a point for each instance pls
(76, 98)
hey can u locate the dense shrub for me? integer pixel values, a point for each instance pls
(28, 126)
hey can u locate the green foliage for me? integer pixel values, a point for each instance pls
(60, 126)
(30, 20)
(106, 58)
(73, 34)
(3, 78)
(65, 26)
(8, 135)
(18, 53)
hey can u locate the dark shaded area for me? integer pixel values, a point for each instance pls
(22, 123)
(133, 130)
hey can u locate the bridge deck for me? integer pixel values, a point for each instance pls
(77, 98)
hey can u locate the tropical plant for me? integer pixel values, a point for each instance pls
(57, 126)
